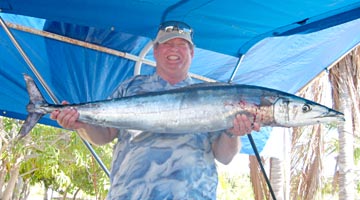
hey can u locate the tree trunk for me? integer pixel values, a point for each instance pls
(257, 180)
(346, 156)
(277, 178)
(76, 192)
(25, 189)
(46, 190)
(3, 172)
(280, 163)
(344, 89)
(308, 147)
(14, 174)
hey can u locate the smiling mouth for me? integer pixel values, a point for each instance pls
(173, 57)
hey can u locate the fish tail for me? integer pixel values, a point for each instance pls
(34, 116)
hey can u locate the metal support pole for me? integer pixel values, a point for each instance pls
(252, 142)
(142, 55)
(47, 89)
(236, 68)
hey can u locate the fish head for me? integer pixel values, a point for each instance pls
(296, 111)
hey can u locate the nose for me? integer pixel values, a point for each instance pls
(174, 47)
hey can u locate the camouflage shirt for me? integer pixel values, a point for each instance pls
(161, 166)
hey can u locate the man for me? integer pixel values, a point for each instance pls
(159, 165)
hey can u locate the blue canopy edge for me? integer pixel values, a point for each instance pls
(305, 31)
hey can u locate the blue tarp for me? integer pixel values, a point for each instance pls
(285, 45)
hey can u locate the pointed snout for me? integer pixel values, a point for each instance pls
(338, 116)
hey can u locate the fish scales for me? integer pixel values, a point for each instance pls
(197, 108)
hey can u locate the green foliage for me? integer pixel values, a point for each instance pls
(328, 187)
(234, 187)
(57, 159)
(357, 151)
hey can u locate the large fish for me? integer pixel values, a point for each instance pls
(197, 108)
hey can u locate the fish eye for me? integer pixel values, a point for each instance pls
(306, 108)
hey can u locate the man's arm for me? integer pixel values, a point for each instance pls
(94, 134)
(97, 135)
(228, 144)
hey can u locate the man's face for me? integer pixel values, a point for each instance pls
(174, 56)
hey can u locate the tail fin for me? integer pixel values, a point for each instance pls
(35, 99)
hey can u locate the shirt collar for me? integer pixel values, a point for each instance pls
(187, 81)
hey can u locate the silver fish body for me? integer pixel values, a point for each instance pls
(197, 108)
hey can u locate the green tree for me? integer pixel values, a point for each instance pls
(234, 186)
(54, 157)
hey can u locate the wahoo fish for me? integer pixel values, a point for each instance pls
(197, 108)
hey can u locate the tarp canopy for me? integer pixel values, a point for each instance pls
(82, 50)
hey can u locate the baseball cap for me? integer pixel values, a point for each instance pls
(174, 29)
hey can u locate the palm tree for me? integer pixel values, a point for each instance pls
(345, 80)
(307, 149)
(307, 146)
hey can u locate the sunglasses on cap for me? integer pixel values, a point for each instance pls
(180, 27)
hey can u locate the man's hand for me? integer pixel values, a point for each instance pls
(67, 118)
(242, 126)
(227, 146)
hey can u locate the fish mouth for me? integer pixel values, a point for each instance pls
(333, 114)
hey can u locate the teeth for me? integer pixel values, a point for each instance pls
(173, 57)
